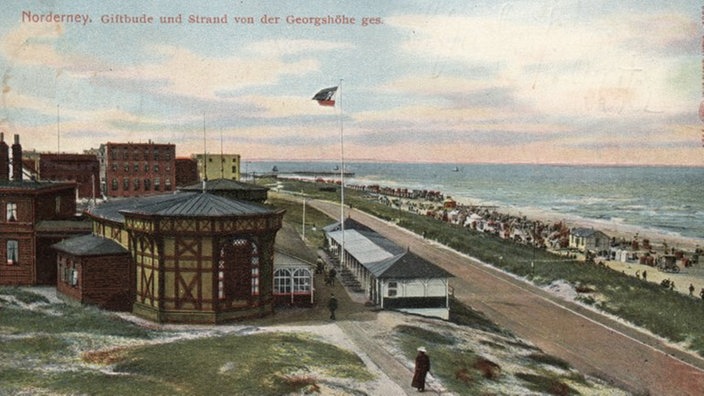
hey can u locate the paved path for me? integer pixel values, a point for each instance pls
(590, 342)
(393, 367)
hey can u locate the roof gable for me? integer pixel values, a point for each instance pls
(90, 245)
(407, 266)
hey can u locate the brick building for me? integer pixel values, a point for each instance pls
(95, 271)
(137, 169)
(186, 171)
(34, 215)
(82, 168)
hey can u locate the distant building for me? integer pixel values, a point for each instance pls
(34, 215)
(84, 169)
(231, 189)
(186, 172)
(218, 166)
(137, 169)
(589, 239)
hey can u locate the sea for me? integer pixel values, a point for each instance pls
(666, 200)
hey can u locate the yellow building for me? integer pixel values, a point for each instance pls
(196, 257)
(218, 166)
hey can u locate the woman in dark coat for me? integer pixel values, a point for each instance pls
(422, 368)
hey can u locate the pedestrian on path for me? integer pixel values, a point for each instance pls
(332, 305)
(422, 368)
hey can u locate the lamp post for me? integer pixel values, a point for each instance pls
(303, 226)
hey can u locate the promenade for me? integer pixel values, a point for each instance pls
(593, 343)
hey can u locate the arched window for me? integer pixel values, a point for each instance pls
(301, 281)
(238, 270)
(282, 281)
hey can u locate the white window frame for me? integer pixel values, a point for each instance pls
(12, 252)
(11, 211)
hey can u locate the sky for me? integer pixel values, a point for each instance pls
(539, 82)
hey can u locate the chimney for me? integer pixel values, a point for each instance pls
(17, 159)
(4, 159)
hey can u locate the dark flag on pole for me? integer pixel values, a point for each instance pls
(325, 96)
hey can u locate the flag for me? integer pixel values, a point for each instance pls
(325, 96)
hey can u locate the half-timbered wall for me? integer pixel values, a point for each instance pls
(204, 269)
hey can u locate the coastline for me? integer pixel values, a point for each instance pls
(617, 230)
(620, 231)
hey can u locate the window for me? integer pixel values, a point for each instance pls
(255, 281)
(13, 252)
(136, 167)
(11, 211)
(239, 274)
(147, 184)
(167, 184)
(126, 184)
(392, 289)
(136, 184)
(127, 167)
(221, 276)
(157, 184)
(282, 281)
(301, 280)
(156, 168)
(146, 168)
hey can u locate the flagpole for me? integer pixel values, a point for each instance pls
(342, 177)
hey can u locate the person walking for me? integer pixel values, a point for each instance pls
(421, 369)
(331, 276)
(332, 305)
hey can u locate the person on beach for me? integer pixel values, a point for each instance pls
(691, 289)
(645, 275)
(332, 305)
(422, 368)
(701, 293)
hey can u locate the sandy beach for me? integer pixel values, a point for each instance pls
(619, 231)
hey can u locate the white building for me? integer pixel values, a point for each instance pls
(390, 276)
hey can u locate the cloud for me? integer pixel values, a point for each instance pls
(278, 48)
(561, 66)
(187, 73)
